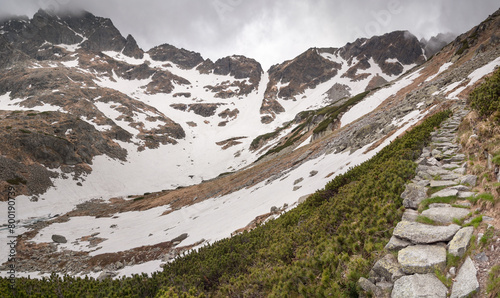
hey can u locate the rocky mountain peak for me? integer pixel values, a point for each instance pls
(436, 43)
(182, 57)
(91, 32)
(398, 45)
(305, 71)
(131, 48)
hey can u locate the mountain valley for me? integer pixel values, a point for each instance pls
(124, 160)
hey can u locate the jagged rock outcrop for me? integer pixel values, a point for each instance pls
(131, 48)
(399, 45)
(305, 71)
(93, 33)
(338, 91)
(182, 57)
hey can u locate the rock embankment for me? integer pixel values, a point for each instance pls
(430, 233)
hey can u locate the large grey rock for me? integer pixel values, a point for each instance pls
(396, 244)
(460, 242)
(445, 215)
(419, 286)
(424, 234)
(439, 183)
(59, 239)
(466, 281)
(422, 258)
(469, 180)
(448, 192)
(389, 268)
(413, 195)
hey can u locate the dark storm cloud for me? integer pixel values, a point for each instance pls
(269, 31)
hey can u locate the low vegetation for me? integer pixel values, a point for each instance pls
(485, 99)
(329, 113)
(319, 248)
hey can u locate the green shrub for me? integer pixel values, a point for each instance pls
(485, 99)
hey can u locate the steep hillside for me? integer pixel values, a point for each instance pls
(123, 135)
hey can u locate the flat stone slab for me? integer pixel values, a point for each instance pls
(466, 281)
(389, 268)
(450, 177)
(466, 194)
(422, 258)
(460, 242)
(419, 233)
(450, 166)
(448, 192)
(418, 286)
(445, 215)
(439, 183)
(396, 244)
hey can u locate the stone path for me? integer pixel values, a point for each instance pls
(421, 241)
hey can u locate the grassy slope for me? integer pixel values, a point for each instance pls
(321, 247)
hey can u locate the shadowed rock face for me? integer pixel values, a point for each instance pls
(305, 71)
(131, 48)
(100, 33)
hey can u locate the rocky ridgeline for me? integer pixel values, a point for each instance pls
(422, 248)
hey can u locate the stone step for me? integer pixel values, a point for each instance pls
(447, 192)
(445, 215)
(419, 285)
(419, 233)
(422, 258)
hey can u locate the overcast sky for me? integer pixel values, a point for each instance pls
(270, 31)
